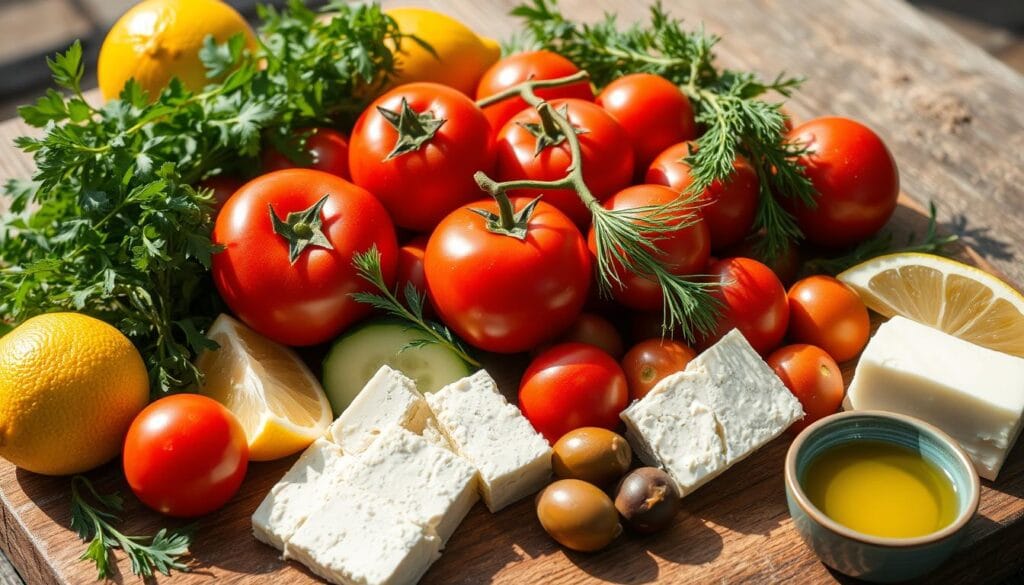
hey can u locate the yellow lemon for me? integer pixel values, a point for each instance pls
(160, 39)
(462, 56)
(70, 386)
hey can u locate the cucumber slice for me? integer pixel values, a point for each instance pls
(357, 355)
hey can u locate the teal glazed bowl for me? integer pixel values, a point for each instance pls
(867, 557)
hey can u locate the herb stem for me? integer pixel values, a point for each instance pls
(517, 90)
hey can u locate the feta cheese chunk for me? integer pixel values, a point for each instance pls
(974, 394)
(389, 399)
(699, 422)
(513, 459)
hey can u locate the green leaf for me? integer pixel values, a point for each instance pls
(67, 67)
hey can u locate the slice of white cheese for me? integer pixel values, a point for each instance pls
(697, 423)
(513, 459)
(974, 394)
(389, 399)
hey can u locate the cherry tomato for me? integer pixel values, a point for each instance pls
(305, 299)
(185, 455)
(856, 179)
(501, 293)
(785, 265)
(728, 206)
(651, 361)
(531, 65)
(223, 187)
(753, 300)
(825, 312)
(424, 171)
(410, 266)
(813, 377)
(685, 251)
(607, 157)
(652, 110)
(595, 330)
(572, 385)
(327, 150)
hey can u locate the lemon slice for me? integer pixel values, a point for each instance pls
(274, 395)
(950, 296)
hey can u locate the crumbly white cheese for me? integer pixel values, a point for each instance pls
(697, 423)
(513, 459)
(974, 394)
(389, 399)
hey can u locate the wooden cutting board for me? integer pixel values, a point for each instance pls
(879, 61)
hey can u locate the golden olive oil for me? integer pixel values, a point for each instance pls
(882, 489)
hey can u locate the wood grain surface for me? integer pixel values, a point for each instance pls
(953, 118)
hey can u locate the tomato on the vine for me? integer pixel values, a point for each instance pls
(501, 292)
(856, 179)
(289, 237)
(327, 150)
(651, 361)
(753, 301)
(829, 314)
(813, 377)
(604, 146)
(572, 385)
(416, 149)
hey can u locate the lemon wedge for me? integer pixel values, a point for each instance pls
(945, 294)
(274, 395)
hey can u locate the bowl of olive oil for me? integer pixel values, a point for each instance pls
(879, 496)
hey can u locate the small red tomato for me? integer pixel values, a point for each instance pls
(728, 206)
(223, 187)
(572, 385)
(410, 266)
(651, 361)
(785, 265)
(825, 312)
(185, 455)
(327, 150)
(652, 110)
(813, 377)
(753, 300)
(595, 330)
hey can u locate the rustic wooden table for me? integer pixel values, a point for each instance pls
(954, 120)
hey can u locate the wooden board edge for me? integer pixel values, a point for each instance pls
(16, 542)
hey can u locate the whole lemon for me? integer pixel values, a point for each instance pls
(462, 56)
(160, 39)
(70, 386)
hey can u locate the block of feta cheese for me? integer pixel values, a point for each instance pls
(433, 486)
(697, 423)
(513, 459)
(974, 394)
(389, 399)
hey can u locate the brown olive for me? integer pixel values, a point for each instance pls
(592, 454)
(578, 515)
(647, 499)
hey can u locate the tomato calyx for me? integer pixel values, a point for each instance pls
(414, 129)
(548, 132)
(301, 229)
(508, 222)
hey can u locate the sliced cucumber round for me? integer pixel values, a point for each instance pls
(357, 355)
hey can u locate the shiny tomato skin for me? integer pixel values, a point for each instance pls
(520, 67)
(310, 301)
(685, 251)
(327, 148)
(728, 207)
(185, 455)
(813, 377)
(503, 294)
(786, 265)
(594, 330)
(652, 110)
(753, 300)
(651, 361)
(829, 314)
(572, 385)
(223, 187)
(607, 157)
(420, 187)
(856, 179)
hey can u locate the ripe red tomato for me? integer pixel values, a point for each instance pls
(327, 149)
(410, 265)
(813, 377)
(305, 300)
(607, 158)
(652, 110)
(185, 455)
(785, 265)
(531, 65)
(572, 385)
(223, 187)
(500, 293)
(685, 250)
(424, 171)
(728, 207)
(753, 300)
(651, 361)
(595, 330)
(825, 312)
(856, 179)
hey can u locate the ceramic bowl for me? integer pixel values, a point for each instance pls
(873, 558)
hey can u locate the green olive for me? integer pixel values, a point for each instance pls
(578, 515)
(592, 454)
(647, 499)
